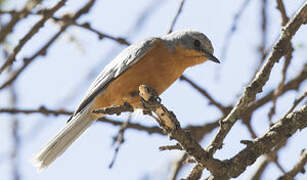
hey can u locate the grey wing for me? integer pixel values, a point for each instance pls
(115, 68)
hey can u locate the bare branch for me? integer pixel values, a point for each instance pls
(178, 166)
(88, 27)
(277, 134)
(281, 84)
(263, 30)
(296, 102)
(16, 17)
(119, 140)
(282, 10)
(288, 57)
(171, 147)
(196, 172)
(43, 50)
(233, 28)
(69, 21)
(116, 109)
(47, 14)
(293, 84)
(223, 109)
(41, 110)
(135, 126)
(168, 121)
(279, 49)
(176, 17)
(260, 170)
(299, 167)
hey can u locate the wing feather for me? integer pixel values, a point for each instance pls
(115, 68)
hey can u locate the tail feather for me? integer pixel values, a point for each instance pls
(58, 144)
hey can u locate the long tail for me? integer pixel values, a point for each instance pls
(58, 144)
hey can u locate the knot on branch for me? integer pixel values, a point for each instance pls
(152, 102)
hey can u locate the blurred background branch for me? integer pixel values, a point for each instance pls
(38, 66)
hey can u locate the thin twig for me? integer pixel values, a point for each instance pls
(40, 110)
(233, 28)
(296, 102)
(15, 127)
(68, 21)
(88, 27)
(258, 174)
(282, 10)
(176, 17)
(135, 126)
(202, 91)
(45, 111)
(48, 13)
(171, 147)
(8, 28)
(115, 109)
(288, 57)
(299, 167)
(119, 140)
(281, 84)
(43, 51)
(293, 84)
(263, 31)
(178, 166)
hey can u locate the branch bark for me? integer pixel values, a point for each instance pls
(278, 133)
(280, 48)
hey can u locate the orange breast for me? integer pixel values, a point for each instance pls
(158, 69)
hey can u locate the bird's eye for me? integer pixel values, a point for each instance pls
(197, 43)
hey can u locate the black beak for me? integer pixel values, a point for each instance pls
(211, 57)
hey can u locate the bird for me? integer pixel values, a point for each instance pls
(156, 62)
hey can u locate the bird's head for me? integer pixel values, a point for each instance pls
(191, 45)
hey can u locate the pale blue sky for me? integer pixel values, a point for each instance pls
(60, 79)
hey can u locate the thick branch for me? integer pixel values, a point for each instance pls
(168, 121)
(293, 84)
(255, 87)
(278, 133)
(196, 172)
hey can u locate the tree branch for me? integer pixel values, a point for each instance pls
(43, 50)
(168, 121)
(282, 10)
(299, 167)
(8, 28)
(176, 16)
(47, 14)
(202, 91)
(278, 133)
(41, 110)
(249, 95)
